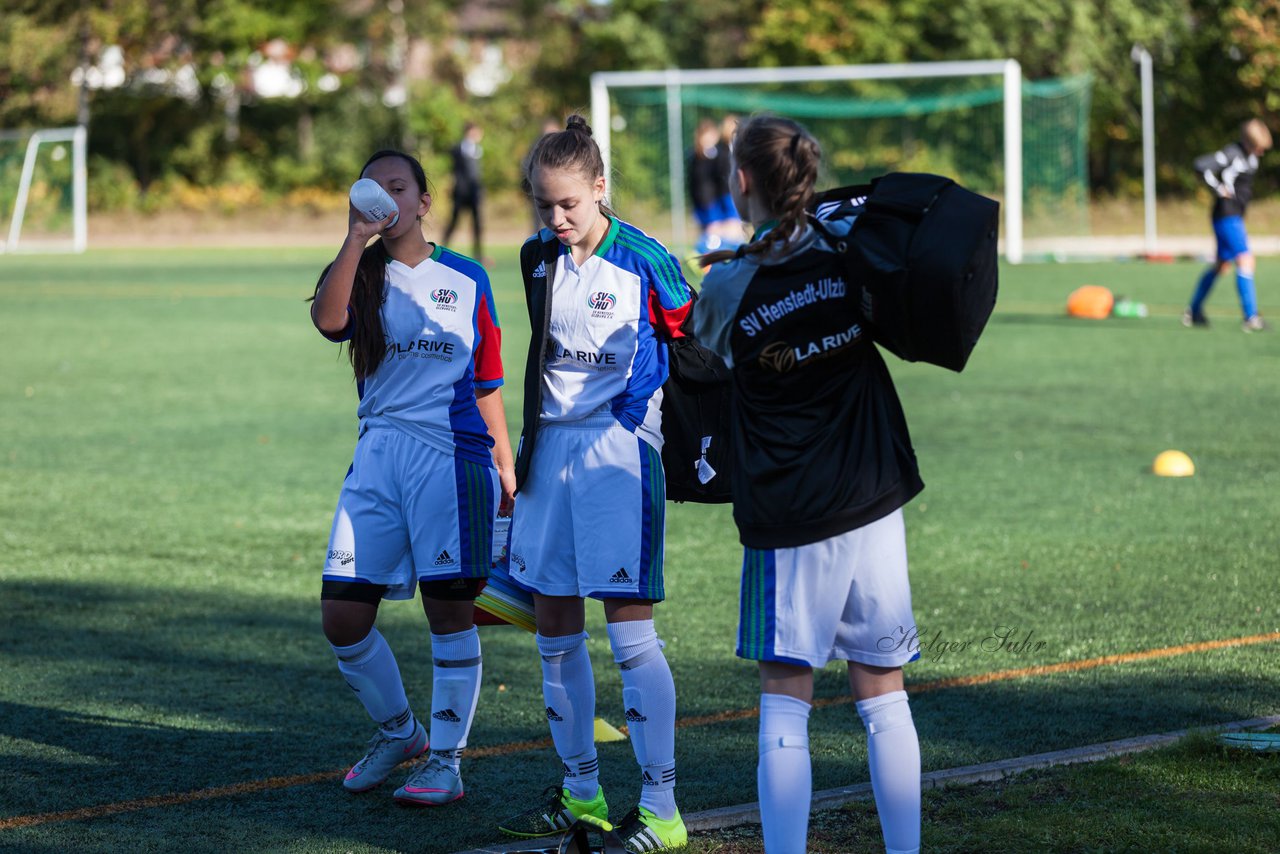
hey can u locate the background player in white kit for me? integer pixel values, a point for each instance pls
(822, 466)
(590, 519)
(418, 504)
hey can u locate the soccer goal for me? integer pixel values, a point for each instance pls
(43, 179)
(976, 121)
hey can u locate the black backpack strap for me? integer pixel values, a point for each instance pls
(542, 251)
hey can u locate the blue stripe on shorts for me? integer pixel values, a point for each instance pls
(475, 516)
(653, 500)
(756, 618)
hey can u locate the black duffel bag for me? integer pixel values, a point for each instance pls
(922, 251)
(696, 401)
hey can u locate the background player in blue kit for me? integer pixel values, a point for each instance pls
(823, 465)
(432, 465)
(708, 177)
(590, 519)
(1229, 173)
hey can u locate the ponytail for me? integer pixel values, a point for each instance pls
(367, 346)
(782, 158)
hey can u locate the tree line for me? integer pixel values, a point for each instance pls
(167, 88)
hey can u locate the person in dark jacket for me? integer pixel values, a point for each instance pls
(1229, 173)
(468, 191)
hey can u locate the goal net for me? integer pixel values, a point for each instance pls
(1023, 143)
(42, 190)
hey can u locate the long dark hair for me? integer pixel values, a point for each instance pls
(782, 158)
(368, 345)
(572, 149)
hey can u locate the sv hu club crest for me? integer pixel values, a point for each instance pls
(602, 301)
(444, 296)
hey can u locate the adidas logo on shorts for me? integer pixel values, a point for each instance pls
(635, 717)
(552, 715)
(448, 716)
(443, 559)
(620, 577)
(540, 272)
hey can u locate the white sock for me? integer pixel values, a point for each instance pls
(649, 701)
(455, 685)
(569, 690)
(784, 774)
(370, 669)
(893, 752)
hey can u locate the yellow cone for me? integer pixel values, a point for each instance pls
(1173, 464)
(605, 731)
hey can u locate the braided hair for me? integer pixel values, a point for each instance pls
(782, 158)
(368, 345)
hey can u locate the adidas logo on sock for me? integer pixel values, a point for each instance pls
(552, 716)
(540, 272)
(620, 577)
(448, 716)
(635, 717)
(443, 559)
(584, 769)
(668, 776)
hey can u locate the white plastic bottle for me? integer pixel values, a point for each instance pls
(373, 202)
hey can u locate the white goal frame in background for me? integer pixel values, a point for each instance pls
(78, 137)
(673, 79)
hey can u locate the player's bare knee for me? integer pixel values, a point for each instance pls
(559, 616)
(868, 680)
(348, 611)
(450, 604)
(627, 610)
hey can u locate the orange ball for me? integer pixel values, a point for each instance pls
(1090, 301)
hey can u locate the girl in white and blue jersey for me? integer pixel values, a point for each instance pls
(432, 467)
(590, 518)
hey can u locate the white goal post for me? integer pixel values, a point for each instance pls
(673, 79)
(12, 240)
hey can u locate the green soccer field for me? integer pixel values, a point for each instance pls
(173, 435)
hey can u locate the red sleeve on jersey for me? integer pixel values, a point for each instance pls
(668, 319)
(488, 352)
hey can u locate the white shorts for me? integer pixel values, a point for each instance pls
(845, 598)
(409, 511)
(590, 518)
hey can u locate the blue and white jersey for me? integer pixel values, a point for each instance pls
(602, 350)
(442, 343)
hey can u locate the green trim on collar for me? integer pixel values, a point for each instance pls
(610, 236)
(764, 227)
(436, 253)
